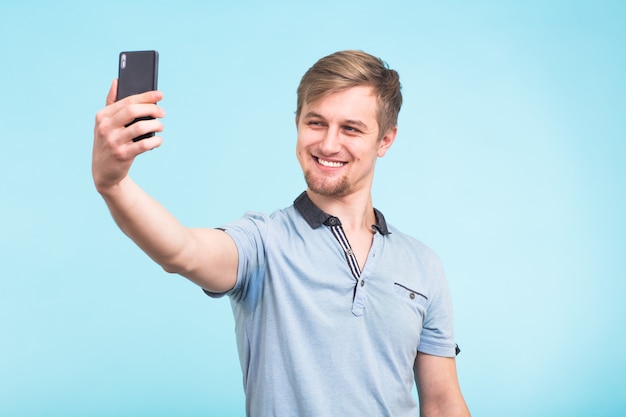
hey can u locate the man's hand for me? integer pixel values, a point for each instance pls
(113, 149)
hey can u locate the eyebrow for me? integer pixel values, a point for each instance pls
(312, 114)
(349, 121)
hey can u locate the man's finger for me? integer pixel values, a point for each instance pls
(122, 116)
(144, 98)
(147, 144)
(112, 96)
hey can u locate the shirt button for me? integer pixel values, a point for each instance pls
(362, 283)
(412, 296)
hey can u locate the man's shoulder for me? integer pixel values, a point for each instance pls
(284, 217)
(405, 241)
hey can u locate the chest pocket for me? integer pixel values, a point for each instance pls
(417, 300)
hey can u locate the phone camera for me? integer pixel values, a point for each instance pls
(123, 61)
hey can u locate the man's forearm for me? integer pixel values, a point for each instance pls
(454, 408)
(207, 257)
(147, 223)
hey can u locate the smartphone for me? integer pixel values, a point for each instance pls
(138, 73)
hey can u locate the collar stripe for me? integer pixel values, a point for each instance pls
(341, 237)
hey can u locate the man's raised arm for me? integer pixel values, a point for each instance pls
(207, 257)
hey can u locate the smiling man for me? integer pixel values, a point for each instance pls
(337, 313)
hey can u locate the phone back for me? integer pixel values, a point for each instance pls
(137, 72)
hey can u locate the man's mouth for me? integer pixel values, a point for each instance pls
(330, 164)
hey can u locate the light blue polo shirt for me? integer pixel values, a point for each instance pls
(315, 337)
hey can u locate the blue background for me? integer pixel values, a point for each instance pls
(509, 162)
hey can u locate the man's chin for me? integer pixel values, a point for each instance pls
(326, 189)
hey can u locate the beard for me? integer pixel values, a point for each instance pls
(325, 186)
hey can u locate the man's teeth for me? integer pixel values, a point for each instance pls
(329, 163)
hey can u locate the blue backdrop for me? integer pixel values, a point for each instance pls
(509, 162)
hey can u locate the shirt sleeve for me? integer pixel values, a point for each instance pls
(437, 337)
(249, 234)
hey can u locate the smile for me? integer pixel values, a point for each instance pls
(330, 164)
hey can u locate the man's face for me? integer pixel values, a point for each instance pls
(338, 142)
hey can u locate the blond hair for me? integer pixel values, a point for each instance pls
(346, 69)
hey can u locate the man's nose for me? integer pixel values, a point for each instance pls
(331, 142)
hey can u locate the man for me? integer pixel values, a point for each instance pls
(337, 313)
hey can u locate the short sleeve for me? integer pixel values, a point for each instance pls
(249, 234)
(437, 336)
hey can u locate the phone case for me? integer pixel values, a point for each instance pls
(138, 73)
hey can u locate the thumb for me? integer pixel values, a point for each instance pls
(112, 96)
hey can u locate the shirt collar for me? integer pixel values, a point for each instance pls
(316, 217)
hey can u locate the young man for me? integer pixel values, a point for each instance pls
(337, 313)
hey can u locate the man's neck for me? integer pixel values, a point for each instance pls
(355, 211)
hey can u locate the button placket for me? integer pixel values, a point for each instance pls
(358, 302)
(360, 294)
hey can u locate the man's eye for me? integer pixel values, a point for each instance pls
(314, 123)
(351, 129)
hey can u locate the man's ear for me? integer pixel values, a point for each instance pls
(385, 142)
